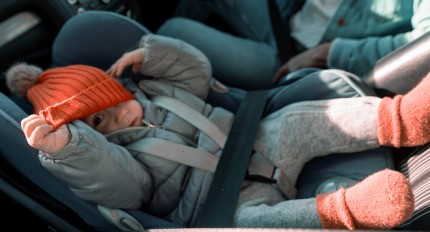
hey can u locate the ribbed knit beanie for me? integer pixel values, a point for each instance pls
(64, 94)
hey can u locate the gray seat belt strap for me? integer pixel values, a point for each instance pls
(191, 116)
(183, 154)
(227, 182)
(176, 152)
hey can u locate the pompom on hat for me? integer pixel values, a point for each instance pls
(20, 77)
(64, 94)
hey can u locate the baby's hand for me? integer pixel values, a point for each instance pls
(133, 59)
(40, 134)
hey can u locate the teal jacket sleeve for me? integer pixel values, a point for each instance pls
(360, 55)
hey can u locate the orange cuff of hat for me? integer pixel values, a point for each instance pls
(64, 94)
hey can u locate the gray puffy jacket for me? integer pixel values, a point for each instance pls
(100, 169)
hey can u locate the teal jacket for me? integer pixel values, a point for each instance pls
(388, 25)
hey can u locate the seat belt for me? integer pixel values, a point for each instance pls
(176, 152)
(193, 117)
(284, 42)
(227, 182)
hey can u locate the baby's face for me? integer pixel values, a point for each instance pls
(123, 115)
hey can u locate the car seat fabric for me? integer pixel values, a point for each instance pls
(115, 34)
(96, 39)
(415, 166)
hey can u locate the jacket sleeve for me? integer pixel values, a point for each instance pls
(177, 63)
(360, 55)
(99, 171)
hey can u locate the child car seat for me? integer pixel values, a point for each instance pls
(116, 34)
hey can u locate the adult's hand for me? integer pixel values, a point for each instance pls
(312, 58)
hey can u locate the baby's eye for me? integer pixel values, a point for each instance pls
(98, 119)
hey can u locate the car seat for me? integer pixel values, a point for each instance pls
(41, 192)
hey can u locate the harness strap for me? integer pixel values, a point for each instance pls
(176, 152)
(284, 42)
(193, 117)
(259, 168)
(262, 170)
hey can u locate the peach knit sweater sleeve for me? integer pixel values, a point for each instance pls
(404, 121)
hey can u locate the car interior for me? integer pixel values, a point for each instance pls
(45, 33)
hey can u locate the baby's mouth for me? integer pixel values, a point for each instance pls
(136, 122)
(133, 123)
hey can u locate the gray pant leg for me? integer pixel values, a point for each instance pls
(263, 206)
(299, 132)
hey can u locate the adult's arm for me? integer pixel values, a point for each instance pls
(360, 55)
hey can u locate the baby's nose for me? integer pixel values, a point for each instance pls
(121, 114)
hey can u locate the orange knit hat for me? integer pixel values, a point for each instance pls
(64, 94)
